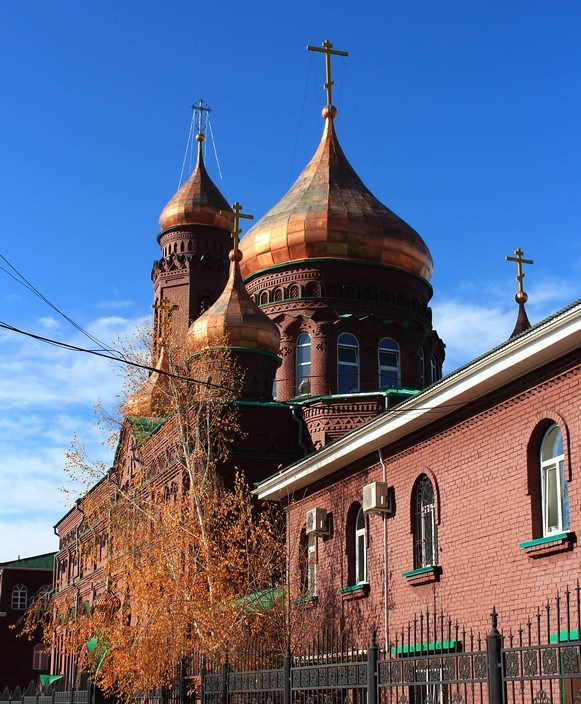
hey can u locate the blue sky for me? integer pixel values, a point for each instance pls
(462, 117)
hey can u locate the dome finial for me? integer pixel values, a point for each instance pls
(329, 111)
(237, 213)
(521, 297)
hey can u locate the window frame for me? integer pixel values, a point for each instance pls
(425, 524)
(19, 597)
(360, 555)
(556, 463)
(302, 367)
(389, 369)
(342, 376)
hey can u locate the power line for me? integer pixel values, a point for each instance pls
(23, 281)
(105, 355)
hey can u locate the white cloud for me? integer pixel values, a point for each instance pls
(47, 395)
(26, 538)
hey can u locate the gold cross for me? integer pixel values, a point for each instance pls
(165, 310)
(328, 50)
(519, 262)
(236, 215)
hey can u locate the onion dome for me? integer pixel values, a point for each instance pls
(198, 201)
(329, 212)
(234, 318)
(147, 401)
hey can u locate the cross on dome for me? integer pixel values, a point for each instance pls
(327, 49)
(520, 274)
(236, 215)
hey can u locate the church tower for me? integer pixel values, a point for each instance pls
(347, 282)
(194, 239)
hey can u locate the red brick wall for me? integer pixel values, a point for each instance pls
(478, 462)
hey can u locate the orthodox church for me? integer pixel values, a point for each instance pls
(324, 304)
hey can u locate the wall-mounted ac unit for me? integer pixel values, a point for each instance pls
(317, 522)
(377, 498)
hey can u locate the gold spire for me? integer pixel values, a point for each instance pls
(329, 110)
(522, 322)
(236, 214)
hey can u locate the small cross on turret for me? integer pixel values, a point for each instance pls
(164, 310)
(520, 274)
(236, 215)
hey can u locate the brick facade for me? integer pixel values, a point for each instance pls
(483, 462)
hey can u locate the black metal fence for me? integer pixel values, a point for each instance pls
(432, 660)
(34, 694)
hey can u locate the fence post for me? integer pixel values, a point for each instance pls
(286, 675)
(203, 681)
(372, 657)
(225, 681)
(493, 655)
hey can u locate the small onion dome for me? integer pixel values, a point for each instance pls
(198, 201)
(329, 212)
(235, 318)
(145, 402)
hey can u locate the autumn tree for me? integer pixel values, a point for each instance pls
(173, 532)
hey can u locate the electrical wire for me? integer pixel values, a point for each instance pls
(23, 281)
(101, 353)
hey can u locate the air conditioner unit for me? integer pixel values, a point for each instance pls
(377, 498)
(317, 523)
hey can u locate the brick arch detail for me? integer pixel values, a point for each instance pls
(536, 429)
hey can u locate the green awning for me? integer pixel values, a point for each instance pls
(47, 680)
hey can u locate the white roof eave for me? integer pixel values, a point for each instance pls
(540, 345)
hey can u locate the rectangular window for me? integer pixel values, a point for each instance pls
(554, 498)
(311, 566)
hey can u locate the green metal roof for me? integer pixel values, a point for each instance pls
(144, 427)
(38, 562)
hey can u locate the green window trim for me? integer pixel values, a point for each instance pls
(431, 647)
(420, 570)
(354, 588)
(543, 541)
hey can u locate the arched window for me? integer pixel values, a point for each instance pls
(39, 657)
(360, 549)
(294, 291)
(554, 500)
(42, 596)
(19, 597)
(422, 368)
(278, 294)
(308, 564)
(425, 529)
(303, 371)
(347, 364)
(356, 545)
(389, 371)
(264, 298)
(433, 369)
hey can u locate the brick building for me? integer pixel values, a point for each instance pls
(21, 659)
(462, 498)
(325, 306)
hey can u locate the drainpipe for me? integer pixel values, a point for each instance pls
(385, 584)
(299, 420)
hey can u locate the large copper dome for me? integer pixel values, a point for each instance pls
(198, 201)
(329, 212)
(234, 319)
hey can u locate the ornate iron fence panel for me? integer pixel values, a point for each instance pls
(541, 662)
(256, 687)
(330, 683)
(433, 661)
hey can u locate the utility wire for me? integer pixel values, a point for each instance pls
(23, 281)
(101, 353)
(192, 380)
